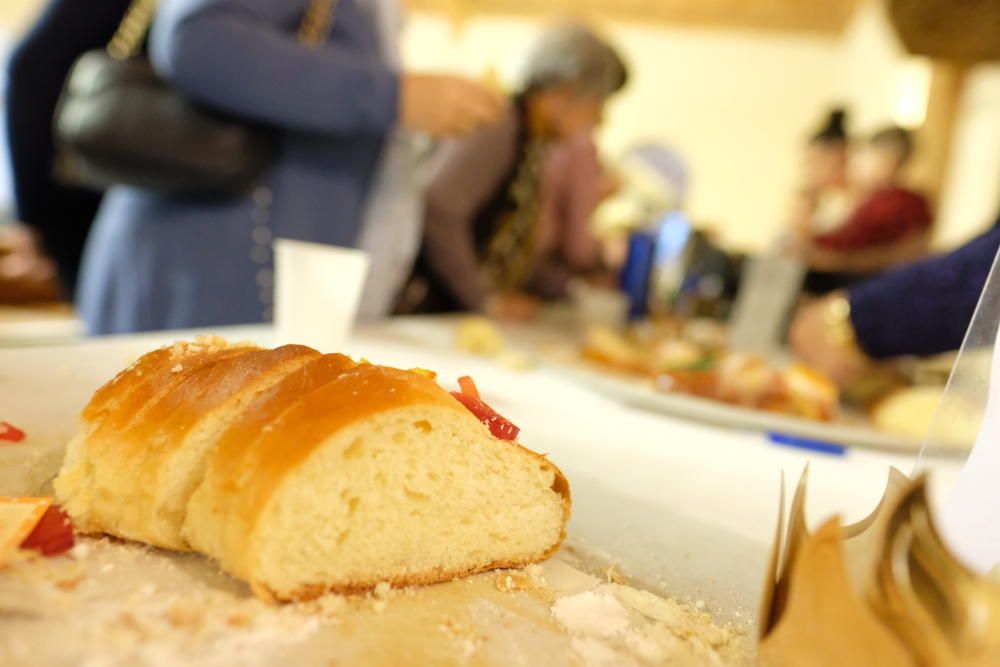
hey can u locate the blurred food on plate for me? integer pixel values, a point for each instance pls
(694, 360)
(482, 336)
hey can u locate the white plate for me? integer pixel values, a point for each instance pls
(640, 394)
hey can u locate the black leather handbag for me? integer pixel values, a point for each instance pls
(119, 123)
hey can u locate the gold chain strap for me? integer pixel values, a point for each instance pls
(317, 22)
(127, 40)
(510, 252)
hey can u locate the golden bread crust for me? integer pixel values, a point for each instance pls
(135, 423)
(356, 394)
(205, 388)
(150, 372)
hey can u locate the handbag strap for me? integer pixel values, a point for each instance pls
(127, 40)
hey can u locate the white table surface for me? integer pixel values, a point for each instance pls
(24, 325)
(672, 494)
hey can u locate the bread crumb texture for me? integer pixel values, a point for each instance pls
(136, 605)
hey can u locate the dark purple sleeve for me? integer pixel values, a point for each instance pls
(923, 308)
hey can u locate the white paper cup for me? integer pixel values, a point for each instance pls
(317, 293)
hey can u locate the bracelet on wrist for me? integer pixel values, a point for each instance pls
(839, 327)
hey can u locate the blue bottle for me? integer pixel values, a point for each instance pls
(635, 275)
(654, 269)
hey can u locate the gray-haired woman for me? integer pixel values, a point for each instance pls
(494, 230)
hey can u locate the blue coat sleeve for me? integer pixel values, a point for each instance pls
(923, 308)
(242, 56)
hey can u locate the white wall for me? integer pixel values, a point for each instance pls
(14, 16)
(869, 61)
(740, 103)
(971, 197)
(737, 106)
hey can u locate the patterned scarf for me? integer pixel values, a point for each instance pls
(510, 251)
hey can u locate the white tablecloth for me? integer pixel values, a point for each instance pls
(691, 503)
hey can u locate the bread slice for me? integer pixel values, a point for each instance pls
(375, 475)
(258, 416)
(304, 473)
(82, 486)
(182, 428)
(146, 434)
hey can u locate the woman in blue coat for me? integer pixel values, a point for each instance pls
(160, 262)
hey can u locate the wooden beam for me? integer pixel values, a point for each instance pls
(825, 17)
(960, 30)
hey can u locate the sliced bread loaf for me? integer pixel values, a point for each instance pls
(303, 473)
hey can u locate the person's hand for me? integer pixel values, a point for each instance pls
(815, 339)
(802, 246)
(614, 250)
(444, 106)
(512, 306)
(610, 184)
(21, 258)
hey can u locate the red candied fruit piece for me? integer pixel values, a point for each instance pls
(53, 535)
(10, 433)
(499, 426)
(468, 386)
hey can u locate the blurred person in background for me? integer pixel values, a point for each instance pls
(161, 262)
(823, 201)
(920, 309)
(57, 217)
(889, 226)
(507, 212)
